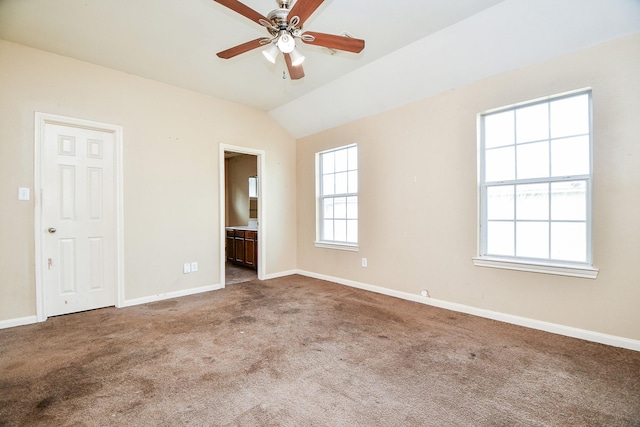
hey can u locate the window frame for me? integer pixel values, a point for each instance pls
(333, 244)
(550, 266)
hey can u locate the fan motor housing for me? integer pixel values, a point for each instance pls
(279, 17)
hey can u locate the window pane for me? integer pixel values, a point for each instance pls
(338, 216)
(500, 164)
(569, 241)
(341, 182)
(500, 237)
(532, 123)
(328, 162)
(532, 239)
(340, 230)
(499, 129)
(353, 182)
(569, 200)
(253, 186)
(340, 207)
(570, 116)
(328, 185)
(342, 160)
(327, 229)
(353, 158)
(533, 160)
(352, 208)
(543, 151)
(327, 208)
(570, 156)
(352, 231)
(532, 201)
(500, 202)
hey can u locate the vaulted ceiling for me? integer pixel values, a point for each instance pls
(414, 49)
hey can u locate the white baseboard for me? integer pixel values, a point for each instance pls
(554, 328)
(18, 321)
(168, 295)
(280, 274)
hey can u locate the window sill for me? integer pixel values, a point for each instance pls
(339, 246)
(585, 272)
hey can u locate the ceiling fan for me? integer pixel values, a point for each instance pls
(285, 26)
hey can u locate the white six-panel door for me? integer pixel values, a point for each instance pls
(78, 218)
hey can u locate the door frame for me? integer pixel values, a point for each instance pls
(41, 120)
(262, 217)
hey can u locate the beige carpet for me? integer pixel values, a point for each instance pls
(302, 352)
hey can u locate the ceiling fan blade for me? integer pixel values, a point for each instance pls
(241, 48)
(243, 10)
(335, 42)
(304, 9)
(295, 72)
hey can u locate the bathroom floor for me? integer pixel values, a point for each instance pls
(235, 274)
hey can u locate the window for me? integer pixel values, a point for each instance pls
(253, 197)
(337, 188)
(535, 186)
(253, 187)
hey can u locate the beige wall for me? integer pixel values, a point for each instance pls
(418, 197)
(239, 169)
(171, 144)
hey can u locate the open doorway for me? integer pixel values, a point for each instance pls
(243, 241)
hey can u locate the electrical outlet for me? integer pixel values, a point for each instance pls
(364, 262)
(186, 268)
(194, 266)
(23, 193)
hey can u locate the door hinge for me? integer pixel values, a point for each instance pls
(49, 263)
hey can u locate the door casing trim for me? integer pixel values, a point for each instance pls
(262, 217)
(41, 120)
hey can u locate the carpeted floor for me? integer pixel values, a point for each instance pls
(297, 351)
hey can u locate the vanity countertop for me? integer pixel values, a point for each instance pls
(242, 227)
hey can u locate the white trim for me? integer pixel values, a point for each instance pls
(340, 246)
(262, 217)
(585, 272)
(320, 197)
(280, 274)
(550, 266)
(541, 325)
(169, 295)
(41, 120)
(18, 321)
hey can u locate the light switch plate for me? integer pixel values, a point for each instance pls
(186, 268)
(23, 193)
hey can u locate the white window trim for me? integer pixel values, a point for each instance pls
(330, 244)
(582, 270)
(340, 246)
(586, 272)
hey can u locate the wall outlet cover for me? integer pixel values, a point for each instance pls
(23, 193)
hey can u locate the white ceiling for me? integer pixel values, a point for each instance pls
(414, 48)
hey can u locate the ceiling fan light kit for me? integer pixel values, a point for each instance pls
(296, 57)
(285, 31)
(271, 53)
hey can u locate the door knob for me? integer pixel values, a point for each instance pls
(51, 230)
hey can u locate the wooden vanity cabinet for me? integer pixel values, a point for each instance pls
(242, 247)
